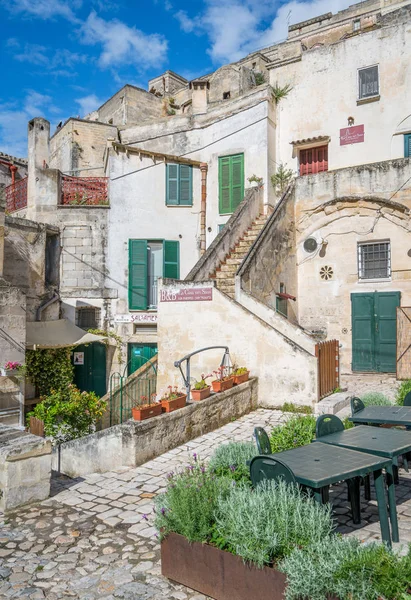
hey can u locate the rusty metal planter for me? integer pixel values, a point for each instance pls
(217, 574)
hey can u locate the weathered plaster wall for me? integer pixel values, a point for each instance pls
(285, 370)
(324, 81)
(134, 443)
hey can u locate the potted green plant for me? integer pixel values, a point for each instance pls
(12, 369)
(201, 389)
(241, 374)
(146, 409)
(223, 381)
(255, 181)
(172, 399)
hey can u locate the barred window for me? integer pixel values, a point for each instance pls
(88, 317)
(374, 260)
(368, 82)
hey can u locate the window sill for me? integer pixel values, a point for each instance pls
(378, 280)
(179, 206)
(368, 100)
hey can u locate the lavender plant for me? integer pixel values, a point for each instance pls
(230, 460)
(297, 431)
(266, 524)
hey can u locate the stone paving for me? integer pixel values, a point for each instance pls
(95, 539)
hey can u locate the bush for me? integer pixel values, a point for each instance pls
(68, 414)
(297, 431)
(267, 523)
(187, 507)
(348, 424)
(347, 569)
(402, 391)
(230, 460)
(50, 369)
(375, 399)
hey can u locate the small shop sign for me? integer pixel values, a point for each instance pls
(195, 294)
(78, 358)
(351, 135)
(136, 318)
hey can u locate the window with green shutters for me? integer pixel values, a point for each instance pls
(231, 182)
(142, 285)
(179, 185)
(407, 145)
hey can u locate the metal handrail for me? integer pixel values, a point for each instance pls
(186, 377)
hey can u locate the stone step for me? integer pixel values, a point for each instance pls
(225, 275)
(250, 236)
(259, 223)
(227, 268)
(226, 287)
(233, 261)
(243, 245)
(238, 254)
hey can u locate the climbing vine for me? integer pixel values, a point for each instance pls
(113, 336)
(49, 369)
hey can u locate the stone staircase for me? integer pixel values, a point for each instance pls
(225, 273)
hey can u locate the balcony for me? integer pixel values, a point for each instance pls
(84, 191)
(16, 195)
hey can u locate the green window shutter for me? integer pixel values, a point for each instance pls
(137, 274)
(172, 188)
(171, 257)
(237, 179)
(407, 145)
(186, 185)
(224, 180)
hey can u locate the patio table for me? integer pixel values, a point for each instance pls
(383, 415)
(388, 443)
(319, 465)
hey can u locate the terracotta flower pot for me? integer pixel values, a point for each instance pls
(170, 405)
(222, 385)
(197, 395)
(241, 378)
(146, 411)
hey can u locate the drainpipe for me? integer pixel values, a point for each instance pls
(12, 168)
(203, 169)
(46, 305)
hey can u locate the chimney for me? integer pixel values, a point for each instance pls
(199, 96)
(38, 158)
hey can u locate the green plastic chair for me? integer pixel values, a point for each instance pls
(407, 399)
(262, 440)
(407, 402)
(356, 405)
(328, 424)
(267, 467)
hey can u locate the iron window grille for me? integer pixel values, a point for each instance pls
(368, 82)
(88, 317)
(374, 260)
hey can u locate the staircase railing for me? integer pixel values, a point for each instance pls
(225, 362)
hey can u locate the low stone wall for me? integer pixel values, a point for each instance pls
(25, 468)
(133, 443)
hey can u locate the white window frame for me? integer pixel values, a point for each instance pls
(360, 262)
(359, 97)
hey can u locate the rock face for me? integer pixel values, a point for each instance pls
(25, 468)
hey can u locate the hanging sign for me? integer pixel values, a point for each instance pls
(195, 294)
(351, 135)
(78, 358)
(136, 318)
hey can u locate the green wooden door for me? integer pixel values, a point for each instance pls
(90, 368)
(374, 331)
(139, 354)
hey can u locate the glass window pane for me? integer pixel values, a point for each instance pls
(374, 260)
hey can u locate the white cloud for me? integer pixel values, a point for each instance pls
(236, 28)
(43, 9)
(57, 62)
(14, 119)
(123, 45)
(89, 103)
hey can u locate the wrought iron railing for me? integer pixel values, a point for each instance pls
(84, 191)
(225, 362)
(16, 195)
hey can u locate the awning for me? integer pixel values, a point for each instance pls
(57, 334)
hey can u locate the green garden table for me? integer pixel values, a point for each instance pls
(318, 466)
(388, 443)
(383, 415)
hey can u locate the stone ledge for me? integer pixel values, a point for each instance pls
(332, 404)
(18, 445)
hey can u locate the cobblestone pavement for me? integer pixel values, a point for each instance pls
(94, 538)
(362, 383)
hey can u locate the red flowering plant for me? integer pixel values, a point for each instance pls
(171, 393)
(147, 400)
(222, 373)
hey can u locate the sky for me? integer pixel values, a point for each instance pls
(63, 58)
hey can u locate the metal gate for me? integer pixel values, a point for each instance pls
(127, 392)
(328, 354)
(403, 342)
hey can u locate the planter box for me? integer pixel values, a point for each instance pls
(217, 574)
(197, 395)
(146, 412)
(222, 386)
(9, 372)
(241, 378)
(170, 405)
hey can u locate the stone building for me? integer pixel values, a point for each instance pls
(150, 186)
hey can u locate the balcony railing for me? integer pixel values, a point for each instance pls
(16, 195)
(84, 191)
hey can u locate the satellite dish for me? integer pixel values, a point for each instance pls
(310, 245)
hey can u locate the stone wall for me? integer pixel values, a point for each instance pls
(130, 106)
(134, 443)
(25, 468)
